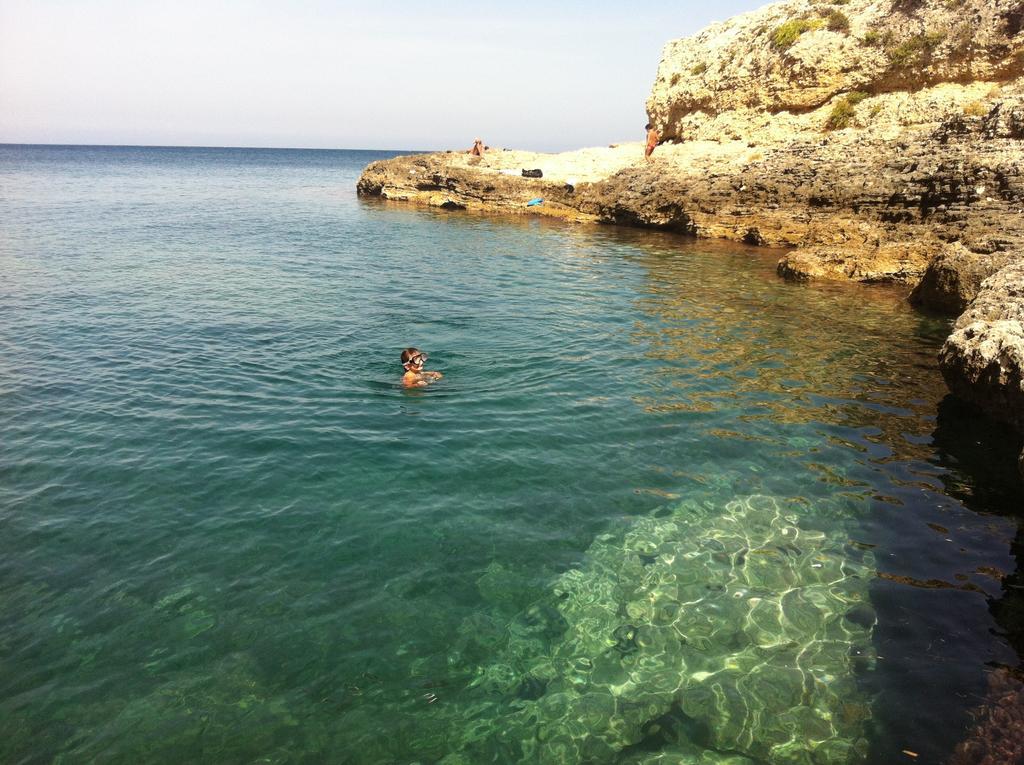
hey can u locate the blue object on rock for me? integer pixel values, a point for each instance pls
(535, 202)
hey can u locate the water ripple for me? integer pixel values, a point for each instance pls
(227, 533)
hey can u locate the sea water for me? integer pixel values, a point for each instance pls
(662, 504)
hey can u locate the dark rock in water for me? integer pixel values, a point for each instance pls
(540, 621)
(712, 544)
(537, 173)
(673, 727)
(531, 688)
(953, 278)
(986, 450)
(860, 660)
(625, 639)
(862, 615)
(789, 549)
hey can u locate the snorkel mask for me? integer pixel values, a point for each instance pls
(418, 360)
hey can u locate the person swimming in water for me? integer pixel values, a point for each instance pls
(415, 375)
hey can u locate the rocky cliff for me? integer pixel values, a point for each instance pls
(790, 59)
(983, 359)
(877, 140)
(868, 135)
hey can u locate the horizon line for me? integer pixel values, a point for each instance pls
(185, 146)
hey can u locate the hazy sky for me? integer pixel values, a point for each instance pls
(393, 74)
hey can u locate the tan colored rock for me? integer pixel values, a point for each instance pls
(889, 262)
(953, 278)
(856, 204)
(982, 361)
(493, 183)
(794, 57)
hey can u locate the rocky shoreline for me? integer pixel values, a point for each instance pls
(879, 141)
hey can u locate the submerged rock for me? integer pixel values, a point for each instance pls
(698, 637)
(997, 733)
(899, 262)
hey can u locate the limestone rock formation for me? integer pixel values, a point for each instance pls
(722, 636)
(982, 361)
(853, 203)
(916, 81)
(494, 182)
(953, 278)
(796, 56)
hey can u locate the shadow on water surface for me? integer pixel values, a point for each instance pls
(947, 608)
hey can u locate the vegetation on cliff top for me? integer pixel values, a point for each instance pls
(789, 32)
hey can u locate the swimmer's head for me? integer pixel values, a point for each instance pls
(413, 359)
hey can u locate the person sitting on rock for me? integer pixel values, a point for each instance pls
(652, 140)
(478, 148)
(415, 376)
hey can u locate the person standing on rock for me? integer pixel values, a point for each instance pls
(652, 140)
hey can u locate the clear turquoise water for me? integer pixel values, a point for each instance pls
(228, 535)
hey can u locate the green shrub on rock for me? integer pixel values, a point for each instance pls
(786, 34)
(913, 51)
(842, 115)
(844, 111)
(837, 21)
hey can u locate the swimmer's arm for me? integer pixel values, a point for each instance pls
(433, 375)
